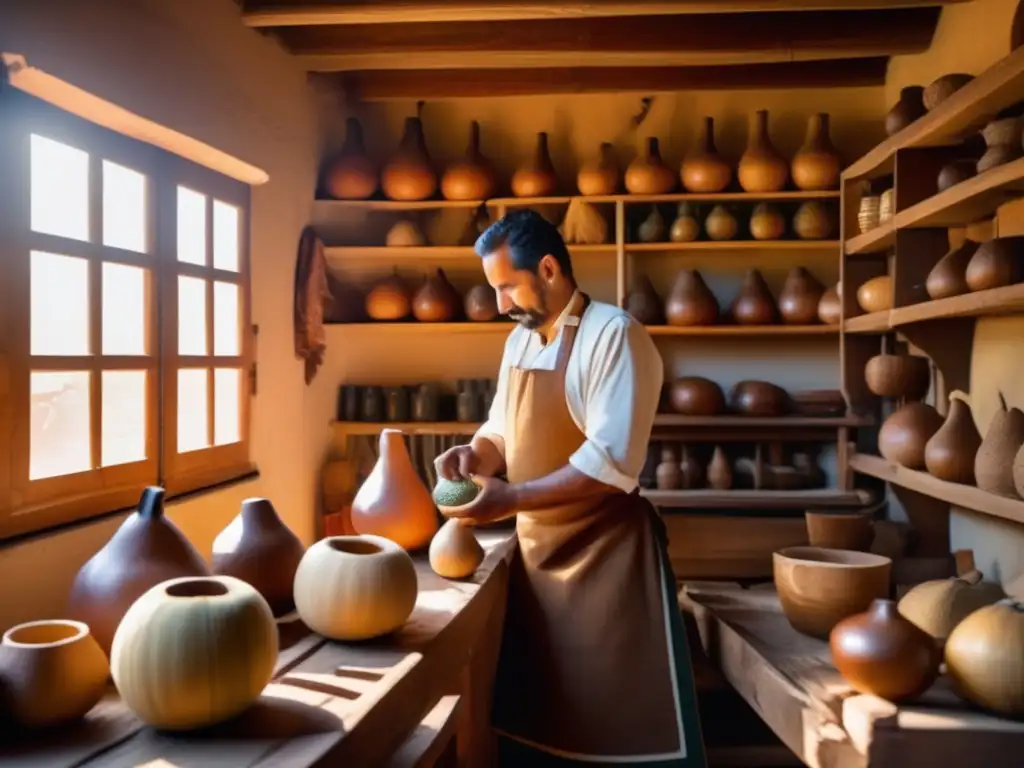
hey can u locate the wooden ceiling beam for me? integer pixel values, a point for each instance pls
(697, 40)
(281, 13)
(383, 85)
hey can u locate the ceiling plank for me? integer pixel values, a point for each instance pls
(383, 85)
(280, 13)
(698, 40)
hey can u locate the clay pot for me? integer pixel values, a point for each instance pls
(853, 531)
(766, 223)
(816, 164)
(409, 174)
(719, 470)
(480, 304)
(454, 551)
(996, 263)
(147, 549)
(875, 295)
(1003, 139)
(754, 304)
(993, 464)
(537, 178)
(599, 177)
(691, 473)
(667, 476)
(720, 224)
(473, 177)
(951, 452)
(355, 587)
(818, 588)
(813, 221)
(881, 653)
(800, 296)
(761, 168)
(259, 549)
(51, 673)
(651, 229)
(644, 304)
(436, 301)
(943, 88)
(405, 234)
(691, 302)
(984, 661)
(938, 606)
(704, 170)
(685, 228)
(648, 174)
(905, 433)
(830, 306)
(208, 645)
(907, 376)
(389, 299)
(758, 398)
(351, 175)
(393, 502)
(905, 111)
(949, 275)
(696, 396)
(955, 172)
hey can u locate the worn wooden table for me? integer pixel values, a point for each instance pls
(375, 703)
(790, 681)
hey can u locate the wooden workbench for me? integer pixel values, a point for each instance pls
(332, 703)
(789, 680)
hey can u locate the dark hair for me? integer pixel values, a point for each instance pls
(529, 237)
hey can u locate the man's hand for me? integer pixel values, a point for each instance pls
(457, 463)
(496, 501)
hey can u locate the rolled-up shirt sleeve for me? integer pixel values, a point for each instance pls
(494, 428)
(621, 390)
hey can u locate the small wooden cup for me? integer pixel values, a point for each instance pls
(853, 531)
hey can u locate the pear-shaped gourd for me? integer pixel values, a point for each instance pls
(691, 473)
(600, 176)
(830, 306)
(761, 168)
(754, 304)
(651, 229)
(667, 476)
(409, 174)
(454, 551)
(720, 224)
(691, 302)
(537, 178)
(949, 275)
(645, 305)
(993, 464)
(816, 164)
(685, 228)
(800, 296)
(436, 301)
(389, 299)
(950, 453)
(704, 170)
(648, 174)
(146, 550)
(767, 223)
(719, 470)
(473, 177)
(405, 234)
(905, 433)
(813, 221)
(480, 304)
(351, 174)
(938, 606)
(393, 502)
(996, 263)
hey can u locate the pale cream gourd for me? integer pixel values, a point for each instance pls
(454, 551)
(355, 587)
(51, 672)
(192, 652)
(984, 660)
(938, 606)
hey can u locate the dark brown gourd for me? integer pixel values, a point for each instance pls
(696, 396)
(389, 299)
(754, 304)
(721, 224)
(993, 465)
(667, 475)
(691, 473)
(800, 296)
(758, 398)
(889, 375)
(830, 307)
(691, 302)
(950, 453)
(949, 275)
(436, 301)
(905, 433)
(645, 305)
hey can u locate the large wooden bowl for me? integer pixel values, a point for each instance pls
(820, 587)
(853, 531)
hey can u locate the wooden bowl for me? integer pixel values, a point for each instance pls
(820, 587)
(898, 376)
(854, 531)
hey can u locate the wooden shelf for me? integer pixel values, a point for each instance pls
(374, 428)
(743, 422)
(955, 494)
(735, 245)
(873, 322)
(338, 254)
(734, 197)
(497, 327)
(877, 240)
(969, 201)
(1007, 300)
(322, 209)
(711, 499)
(742, 330)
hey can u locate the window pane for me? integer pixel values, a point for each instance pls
(225, 236)
(59, 424)
(124, 417)
(225, 320)
(227, 405)
(59, 319)
(192, 411)
(59, 189)
(124, 310)
(191, 316)
(191, 226)
(124, 208)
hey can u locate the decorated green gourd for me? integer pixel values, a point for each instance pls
(454, 493)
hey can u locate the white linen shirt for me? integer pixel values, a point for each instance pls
(613, 384)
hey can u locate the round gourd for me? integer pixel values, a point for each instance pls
(192, 652)
(454, 493)
(939, 606)
(984, 659)
(454, 551)
(875, 295)
(355, 587)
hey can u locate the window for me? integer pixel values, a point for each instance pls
(125, 349)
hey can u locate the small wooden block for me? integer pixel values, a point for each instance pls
(430, 739)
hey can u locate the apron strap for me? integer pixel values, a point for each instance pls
(572, 324)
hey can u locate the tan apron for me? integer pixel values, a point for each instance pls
(594, 665)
